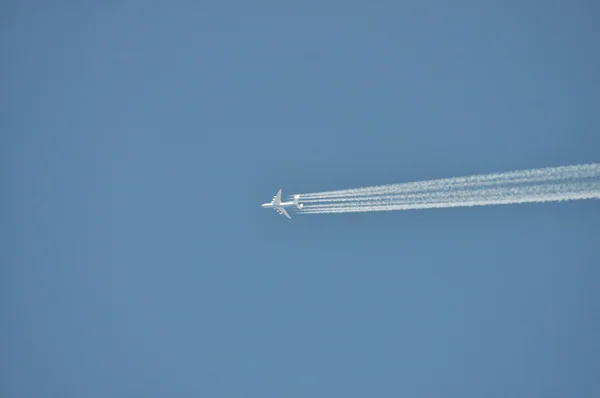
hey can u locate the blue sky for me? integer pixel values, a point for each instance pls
(139, 140)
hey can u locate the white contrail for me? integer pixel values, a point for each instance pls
(481, 202)
(538, 185)
(554, 173)
(512, 177)
(420, 197)
(523, 194)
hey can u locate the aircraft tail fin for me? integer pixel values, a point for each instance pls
(298, 205)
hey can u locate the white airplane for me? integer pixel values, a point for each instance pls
(279, 206)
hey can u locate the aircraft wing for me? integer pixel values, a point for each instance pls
(277, 198)
(281, 210)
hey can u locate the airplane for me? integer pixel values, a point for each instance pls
(280, 206)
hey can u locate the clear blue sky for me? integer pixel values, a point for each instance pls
(138, 142)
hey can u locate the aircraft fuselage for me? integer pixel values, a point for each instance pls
(282, 204)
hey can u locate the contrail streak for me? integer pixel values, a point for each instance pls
(512, 177)
(527, 186)
(543, 193)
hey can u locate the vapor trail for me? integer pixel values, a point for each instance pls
(512, 177)
(479, 202)
(527, 186)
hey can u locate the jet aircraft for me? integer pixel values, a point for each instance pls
(280, 206)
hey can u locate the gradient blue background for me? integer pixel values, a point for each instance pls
(139, 140)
